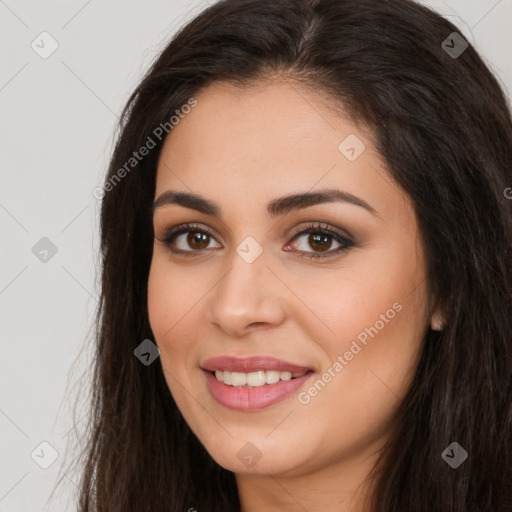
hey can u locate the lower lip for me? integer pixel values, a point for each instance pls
(252, 398)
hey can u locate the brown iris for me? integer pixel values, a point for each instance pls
(196, 237)
(318, 241)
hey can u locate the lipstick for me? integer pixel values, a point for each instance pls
(260, 380)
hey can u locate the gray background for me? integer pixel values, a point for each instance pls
(57, 127)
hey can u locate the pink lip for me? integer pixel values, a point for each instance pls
(250, 364)
(246, 398)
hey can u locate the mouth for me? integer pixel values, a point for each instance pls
(254, 383)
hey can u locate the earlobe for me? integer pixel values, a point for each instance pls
(437, 321)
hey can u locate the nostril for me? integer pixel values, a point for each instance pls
(254, 324)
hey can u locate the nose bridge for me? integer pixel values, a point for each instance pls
(248, 293)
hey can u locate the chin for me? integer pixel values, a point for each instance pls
(257, 457)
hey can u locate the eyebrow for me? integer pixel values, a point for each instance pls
(276, 207)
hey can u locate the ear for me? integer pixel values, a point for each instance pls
(437, 320)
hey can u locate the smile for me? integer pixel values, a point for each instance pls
(252, 383)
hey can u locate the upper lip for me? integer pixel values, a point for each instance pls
(251, 364)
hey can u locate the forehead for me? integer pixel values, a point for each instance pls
(274, 125)
(266, 141)
(274, 107)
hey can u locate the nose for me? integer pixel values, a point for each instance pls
(249, 296)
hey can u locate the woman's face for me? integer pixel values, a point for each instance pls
(253, 296)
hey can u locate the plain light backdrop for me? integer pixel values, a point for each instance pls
(57, 126)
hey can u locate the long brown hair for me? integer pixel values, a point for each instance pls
(443, 126)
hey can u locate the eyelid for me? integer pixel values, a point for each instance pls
(320, 226)
(183, 228)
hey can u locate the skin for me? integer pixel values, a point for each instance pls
(242, 148)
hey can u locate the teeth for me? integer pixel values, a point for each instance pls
(272, 377)
(254, 379)
(238, 379)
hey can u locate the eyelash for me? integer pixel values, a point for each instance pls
(317, 228)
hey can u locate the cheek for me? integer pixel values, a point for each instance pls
(368, 368)
(177, 298)
(343, 304)
(171, 294)
(171, 302)
(375, 320)
(162, 302)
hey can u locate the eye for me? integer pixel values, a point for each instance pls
(320, 238)
(196, 239)
(317, 236)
